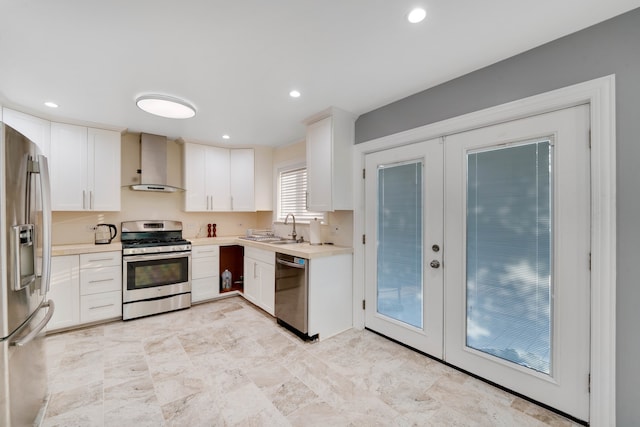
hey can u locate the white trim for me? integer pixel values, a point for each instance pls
(600, 95)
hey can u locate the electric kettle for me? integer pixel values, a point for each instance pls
(104, 234)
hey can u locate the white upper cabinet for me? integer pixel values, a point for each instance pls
(330, 137)
(85, 168)
(206, 178)
(219, 179)
(34, 128)
(241, 162)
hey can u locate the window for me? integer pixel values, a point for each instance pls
(292, 195)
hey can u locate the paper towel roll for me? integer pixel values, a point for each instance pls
(314, 232)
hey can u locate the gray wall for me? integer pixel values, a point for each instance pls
(612, 47)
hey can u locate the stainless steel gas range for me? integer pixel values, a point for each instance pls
(156, 268)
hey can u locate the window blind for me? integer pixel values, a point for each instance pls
(292, 195)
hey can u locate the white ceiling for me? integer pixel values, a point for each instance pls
(237, 60)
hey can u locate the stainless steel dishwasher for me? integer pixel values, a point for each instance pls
(292, 293)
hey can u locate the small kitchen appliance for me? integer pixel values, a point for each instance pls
(156, 268)
(105, 233)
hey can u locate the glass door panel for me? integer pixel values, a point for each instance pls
(399, 285)
(509, 253)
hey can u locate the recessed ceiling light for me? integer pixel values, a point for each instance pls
(416, 15)
(51, 104)
(294, 94)
(166, 106)
(225, 136)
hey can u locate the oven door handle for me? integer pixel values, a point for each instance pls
(151, 257)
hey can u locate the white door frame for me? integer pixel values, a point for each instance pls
(600, 95)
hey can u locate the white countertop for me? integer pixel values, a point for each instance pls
(302, 250)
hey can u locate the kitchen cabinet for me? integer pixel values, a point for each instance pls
(64, 290)
(259, 278)
(330, 295)
(221, 179)
(205, 279)
(34, 128)
(100, 286)
(85, 288)
(329, 143)
(206, 178)
(85, 168)
(241, 179)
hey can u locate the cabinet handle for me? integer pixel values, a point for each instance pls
(100, 259)
(101, 306)
(90, 200)
(231, 202)
(255, 265)
(306, 200)
(84, 199)
(101, 280)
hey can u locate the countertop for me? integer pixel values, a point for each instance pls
(302, 250)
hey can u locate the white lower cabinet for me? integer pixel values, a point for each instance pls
(65, 292)
(85, 288)
(100, 286)
(205, 275)
(330, 295)
(260, 278)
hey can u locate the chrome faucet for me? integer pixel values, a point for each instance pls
(293, 232)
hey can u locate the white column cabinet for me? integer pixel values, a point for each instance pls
(205, 272)
(85, 168)
(329, 143)
(34, 128)
(65, 292)
(260, 278)
(218, 179)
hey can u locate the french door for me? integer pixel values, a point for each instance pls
(478, 253)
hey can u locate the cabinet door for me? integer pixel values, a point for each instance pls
(217, 178)
(68, 167)
(242, 179)
(65, 292)
(104, 170)
(196, 198)
(34, 128)
(267, 279)
(251, 281)
(319, 165)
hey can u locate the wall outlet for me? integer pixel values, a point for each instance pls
(334, 230)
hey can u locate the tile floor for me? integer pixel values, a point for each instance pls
(227, 363)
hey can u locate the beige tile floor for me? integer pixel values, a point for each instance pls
(226, 363)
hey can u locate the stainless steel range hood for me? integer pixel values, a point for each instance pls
(153, 165)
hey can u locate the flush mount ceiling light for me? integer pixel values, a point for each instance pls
(166, 106)
(51, 104)
(294, 94)
(416, 15)
(225, 136)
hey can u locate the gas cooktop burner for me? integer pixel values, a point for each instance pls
(153, 242)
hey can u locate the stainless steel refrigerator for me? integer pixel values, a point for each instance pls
(25, 269)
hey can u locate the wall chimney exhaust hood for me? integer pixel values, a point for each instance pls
(153, 165)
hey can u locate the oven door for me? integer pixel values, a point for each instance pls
(155, 275)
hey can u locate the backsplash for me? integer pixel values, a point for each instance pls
(76, 227)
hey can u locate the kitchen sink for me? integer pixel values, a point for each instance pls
(284, 242)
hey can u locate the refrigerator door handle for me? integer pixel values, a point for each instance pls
(46, 225)
(28, 338)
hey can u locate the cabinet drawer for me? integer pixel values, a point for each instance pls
(102, 306)
(98, 280)
(260, 255)
(204, 267)
(100, 259)
(203, 289)
(204, 251)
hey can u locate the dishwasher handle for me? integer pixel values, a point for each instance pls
(290, 264)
